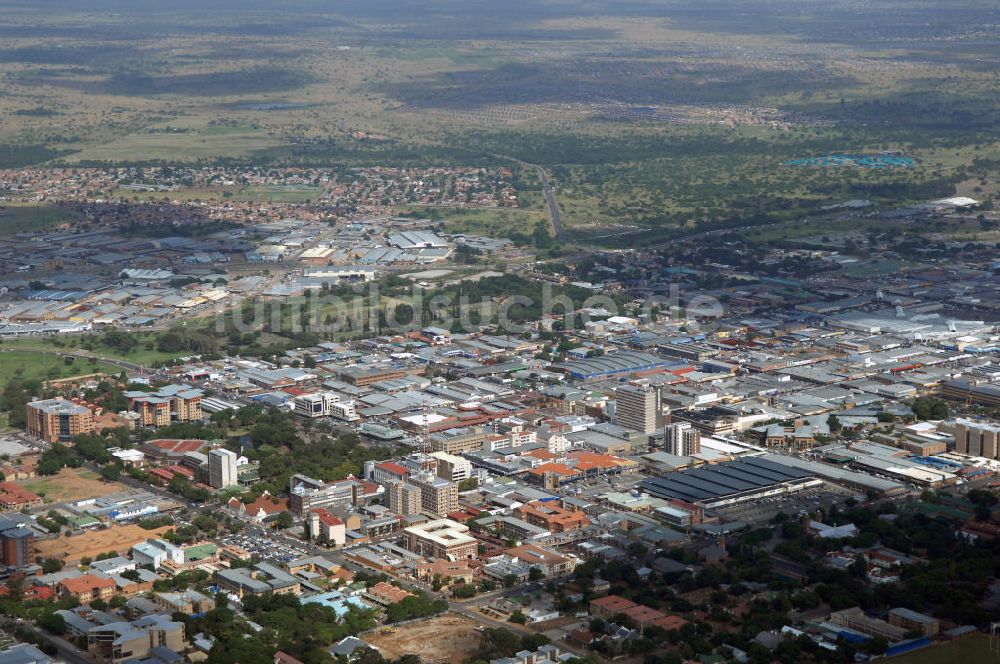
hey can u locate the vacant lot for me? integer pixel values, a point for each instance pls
(448, 638)
(119, 539)
(973, 649)
(70, 484)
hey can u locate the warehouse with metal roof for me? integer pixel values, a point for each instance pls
(730, 483)
(613, 364)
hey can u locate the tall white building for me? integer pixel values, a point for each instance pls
(638, 407)
(452, 467)
(681, 439)
(222, 471)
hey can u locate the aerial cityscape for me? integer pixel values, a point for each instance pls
(535, 332)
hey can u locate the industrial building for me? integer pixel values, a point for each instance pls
(731, 482)
(613, 365)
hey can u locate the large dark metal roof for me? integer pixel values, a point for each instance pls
(723, 479)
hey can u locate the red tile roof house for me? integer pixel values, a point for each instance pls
(610, 606)
(88, 587)
(385, 594)
(325, 526)
(285, 658)
(642, 616)
(264, 509)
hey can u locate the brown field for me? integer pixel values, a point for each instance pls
(88, 545)
(71, 484)
(448, 638)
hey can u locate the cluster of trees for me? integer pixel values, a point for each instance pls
(327, 459)
(304, 631)
(198, 341)
(415, 606)
(56, 458)
(15, 396)
(182, 486)
(87, 447)
(929, 408)
(949, 582)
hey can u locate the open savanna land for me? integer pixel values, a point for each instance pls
(70, 484)
(175, 146)
(26, 217)
(494, 222)
(660, 116)
(33, 365)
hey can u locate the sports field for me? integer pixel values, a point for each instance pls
(973, 649)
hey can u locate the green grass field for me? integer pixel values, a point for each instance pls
(973, 649)
(34, 365)
(22, 218)
(141, 354)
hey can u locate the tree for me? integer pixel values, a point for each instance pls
(111, 472)
(536, 574)
(929, 408)
(241, 651)
(284, 520)
(50, 565)
(53, 623)
(464, 591)
(518, 617)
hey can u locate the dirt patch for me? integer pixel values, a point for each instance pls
(71, 484)
(117, 539)
(449, 638)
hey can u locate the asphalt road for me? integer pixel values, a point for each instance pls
(67, 650)
(550, 201)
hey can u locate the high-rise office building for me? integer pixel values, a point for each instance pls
(402, 498)
(452, 467)
(222, 471)
(306, 493)
(438, 496)
(638, 407)
(17, 543)
(682, 439)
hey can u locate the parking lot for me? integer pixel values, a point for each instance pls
(604, 484)
(259, 544)
(797, 505)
